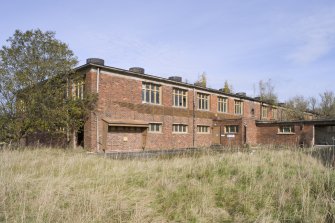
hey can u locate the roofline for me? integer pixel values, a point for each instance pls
(292, 122)
(127, 72)
(161, 79)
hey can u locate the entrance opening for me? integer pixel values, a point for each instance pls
(80, 137)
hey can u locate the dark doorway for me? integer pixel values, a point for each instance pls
(245, 135)
(80, 137)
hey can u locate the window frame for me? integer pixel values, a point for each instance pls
(180, 127)
(182, 94)
(222, 103)
(240, 104)
(156, 124)
(202, 128)
(228, 128)
(264, 112)
(281, 129)
(78, 89)
(203, 100)
(274, 113)
(150, 91)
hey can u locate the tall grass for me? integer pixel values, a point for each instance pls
(48, 185)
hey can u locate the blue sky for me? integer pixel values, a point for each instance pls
(291, 42)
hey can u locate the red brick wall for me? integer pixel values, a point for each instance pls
(120, 98)
(303, 135)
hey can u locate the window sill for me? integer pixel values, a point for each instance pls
(286, 133)
(203, 133)
(180, 133)
(147, 103)
(179, 107)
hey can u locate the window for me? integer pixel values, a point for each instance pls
(78, 89)
(179, 128)
(252, 112)
(231, 129)
(203, 129)
(286, 129)
(274, 113)
(203, 101)
(150, 93)
(264, 112)
(155, 127)
(222, 104)
(179, 98)
(238, 107)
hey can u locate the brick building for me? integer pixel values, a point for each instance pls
(137, 111)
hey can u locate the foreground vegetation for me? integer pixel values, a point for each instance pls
(48, 185)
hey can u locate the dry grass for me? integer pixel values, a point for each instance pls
(49, 185)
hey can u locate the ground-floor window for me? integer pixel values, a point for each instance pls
(203, 129)
(179, 128)
(231, 129)
(155, 127)
(286, 129)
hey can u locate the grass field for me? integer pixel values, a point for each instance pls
(51, 185)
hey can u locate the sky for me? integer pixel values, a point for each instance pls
(291, 42)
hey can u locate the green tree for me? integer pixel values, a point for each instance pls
(36, 70)
(202, 80)
(227, 88)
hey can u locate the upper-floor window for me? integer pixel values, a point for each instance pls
(155, 127)
(274, 113)
(286, 129)
(264, 112)
(151, 93)
(203, 129)
(78, 89)
(222, 104)
(203, 101)
(238, 107)
(179, 98)
(231, 129)
(179, 128)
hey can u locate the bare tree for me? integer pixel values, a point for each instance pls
(327, 104)
(267, 91)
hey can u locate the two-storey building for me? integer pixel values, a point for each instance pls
(137, 111)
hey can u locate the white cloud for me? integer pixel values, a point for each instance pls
(316, 37)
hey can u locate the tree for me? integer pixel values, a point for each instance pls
(35, 70)
(266, 91)
(298, 106)
(327, 104)
(227, 88)
(202, 80)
